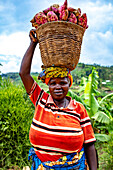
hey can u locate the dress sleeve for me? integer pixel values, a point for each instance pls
(35, 93)
(85, 123)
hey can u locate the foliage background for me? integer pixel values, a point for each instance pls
(16, 116)
(16, 113)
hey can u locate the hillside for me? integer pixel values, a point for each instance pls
(82, 70)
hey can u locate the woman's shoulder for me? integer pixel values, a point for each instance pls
(37, 93)
(78, 105)
(74, 105)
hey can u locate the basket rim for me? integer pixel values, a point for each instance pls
(61, 22)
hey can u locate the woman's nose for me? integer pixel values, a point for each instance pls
(58, 86)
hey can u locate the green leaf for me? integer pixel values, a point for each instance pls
(102, 137)
(94, 104)
(91, 91)
(82, 84)
(87, 93)
(96, 92)
(107, 96)
(101, 117)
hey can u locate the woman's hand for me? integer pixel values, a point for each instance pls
(33, 36)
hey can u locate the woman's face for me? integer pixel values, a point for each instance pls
(58, 87)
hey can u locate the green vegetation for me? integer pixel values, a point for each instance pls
(17, 112)
(105, 82)
(105, 154)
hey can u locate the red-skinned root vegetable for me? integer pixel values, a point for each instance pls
(55, 5)
(82, 21)
(60, 13)
(35, 25)
(41, 18)
(71, 9)
(77, 12)
(64, 15)
(63, 7)
(47, 10)
(33, 20)
(63, 11)
(51, 16)
(53, 8)
(72, 18)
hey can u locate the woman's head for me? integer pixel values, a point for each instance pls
(59, 87)
(55, 72)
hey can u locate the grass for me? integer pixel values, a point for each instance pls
(105, 156)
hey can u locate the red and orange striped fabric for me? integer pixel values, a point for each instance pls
(57, 131)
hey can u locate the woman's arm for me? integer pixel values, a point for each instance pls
(26, 63)
(90, 153)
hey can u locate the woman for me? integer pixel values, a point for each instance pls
(61, 130)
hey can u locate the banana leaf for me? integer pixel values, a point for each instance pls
(102, 117)
(90, 92)
(107, 96)
(102, 137)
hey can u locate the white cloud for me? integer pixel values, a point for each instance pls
(36, 64)
(98, 38)
(100, 14)
(11, 66)
(3, 58)
(14, 44)
(97, 48)
(107, 36)
(12, 49)
(97, 41)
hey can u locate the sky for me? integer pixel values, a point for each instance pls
(15, 16)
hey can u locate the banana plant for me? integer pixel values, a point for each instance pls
(90, 92)
(103, 114)
(97, 111)
(94, 107)
(82, 85)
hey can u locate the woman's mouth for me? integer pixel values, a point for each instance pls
(58, 93)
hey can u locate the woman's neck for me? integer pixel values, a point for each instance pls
(62, 103)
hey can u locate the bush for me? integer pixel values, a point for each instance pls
(16, 112)
(105, 151)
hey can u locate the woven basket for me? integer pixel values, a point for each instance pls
(60, 43)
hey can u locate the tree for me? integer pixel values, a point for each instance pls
(96, 110)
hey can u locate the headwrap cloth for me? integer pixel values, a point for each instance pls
(54, 72)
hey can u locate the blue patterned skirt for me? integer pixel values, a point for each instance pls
(71, 161)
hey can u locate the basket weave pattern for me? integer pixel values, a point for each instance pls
(60, 43)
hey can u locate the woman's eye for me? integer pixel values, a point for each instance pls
(62, 83)
(52, 83)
